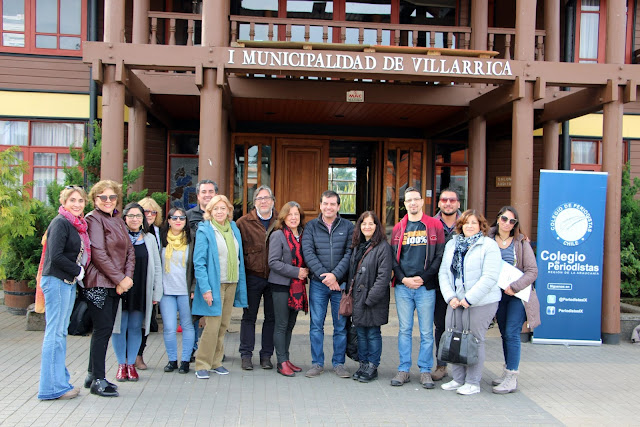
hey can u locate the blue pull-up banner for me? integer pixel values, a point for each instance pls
(571, 212)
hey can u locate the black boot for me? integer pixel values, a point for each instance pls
(184, 368)
(89, 379)
(356, 374)
(369, 374)
(171, 366)
(102, 388)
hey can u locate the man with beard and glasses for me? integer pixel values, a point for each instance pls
(448, 214)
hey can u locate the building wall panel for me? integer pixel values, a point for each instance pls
(44, 74)
(634, 158)
(155, 160)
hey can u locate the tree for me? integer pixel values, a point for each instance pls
(629, 234)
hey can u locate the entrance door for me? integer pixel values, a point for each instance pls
(301, 172)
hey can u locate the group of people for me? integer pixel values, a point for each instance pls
(198, 264)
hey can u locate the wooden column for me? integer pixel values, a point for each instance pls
(477, 164)
(138, 111)
(479, 24)
(211, 162)
(140, 32)
(612, 164)
(136, 138)
(112, 98)
(522, 119)
(550, 134)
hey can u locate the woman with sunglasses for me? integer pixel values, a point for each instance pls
(153, 214)
(512, 311)
(67, 250)
(134, 310)
(108, 275)
(177, 277)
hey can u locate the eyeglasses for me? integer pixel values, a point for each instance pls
(417, 199)
(177, 217)
(511, 221)
(448, 199)
(263, 199)
(112, 197)
(146, 212)
(134, 216)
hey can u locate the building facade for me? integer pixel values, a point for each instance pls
(363, 96)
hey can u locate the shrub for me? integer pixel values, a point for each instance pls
(629, 235)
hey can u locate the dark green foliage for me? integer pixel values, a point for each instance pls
(629, 235)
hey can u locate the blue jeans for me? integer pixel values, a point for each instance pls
(127, 343)
(171, 305)
(369, 344)
(407, 302)
(319, 297)
(511, 315)
(54, 376)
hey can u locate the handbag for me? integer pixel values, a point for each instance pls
(346, 303)
(459, 347)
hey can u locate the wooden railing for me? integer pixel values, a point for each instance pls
(185, 29)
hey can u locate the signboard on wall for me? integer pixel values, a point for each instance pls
(571, 218)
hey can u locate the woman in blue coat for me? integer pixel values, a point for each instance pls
(220, 282)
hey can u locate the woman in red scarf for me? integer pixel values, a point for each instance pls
(67, 250)
(287, 276)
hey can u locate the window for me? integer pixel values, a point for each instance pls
(591, 31)
(452, 170)
(55, 27)
(45, 146)
(586, 154)
(342, 180)
(183, 168)
(252, 162)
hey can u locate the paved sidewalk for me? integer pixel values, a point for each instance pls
(558, 385)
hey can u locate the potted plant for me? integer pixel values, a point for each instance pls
(17, 223)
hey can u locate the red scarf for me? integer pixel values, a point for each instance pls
(80, 225)
(297, 291)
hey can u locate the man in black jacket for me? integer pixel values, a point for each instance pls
(326, 247)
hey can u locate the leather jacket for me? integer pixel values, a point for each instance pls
(254, 243)
(112, 255)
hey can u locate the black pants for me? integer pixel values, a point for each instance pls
(439, 315)
(257, 287)
(103, 319)
(285, 320)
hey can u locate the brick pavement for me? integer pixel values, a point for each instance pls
(558, 385)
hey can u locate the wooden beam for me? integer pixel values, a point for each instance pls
(497, 98)
(198, 76)
(121, 72)
(610, 92)
(630, 91)
(136, 88)
(539, 89)
(579, 103)
(97, 73)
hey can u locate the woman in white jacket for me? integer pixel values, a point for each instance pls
(468, 281)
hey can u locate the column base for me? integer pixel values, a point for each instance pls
(610, 338)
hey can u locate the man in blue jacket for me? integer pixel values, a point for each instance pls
(326, 247)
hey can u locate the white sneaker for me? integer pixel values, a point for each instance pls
(468, 389)
(451, 385)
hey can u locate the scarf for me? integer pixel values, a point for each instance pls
(174, 243)
(134, 235)
(232, 260)
(80, 224)
(462, 245)
(297, 291)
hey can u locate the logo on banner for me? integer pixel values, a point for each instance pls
(571, 224)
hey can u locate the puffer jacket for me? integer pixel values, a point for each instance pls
(481, 269)
(112, 255)
(371, 286)
(254, 243)
(525, 262)
(326, 252)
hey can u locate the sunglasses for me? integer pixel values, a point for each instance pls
(150, 212)
(177, 217)
(74, 187)
(448, 199)
(511, 221)
(112, 197)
